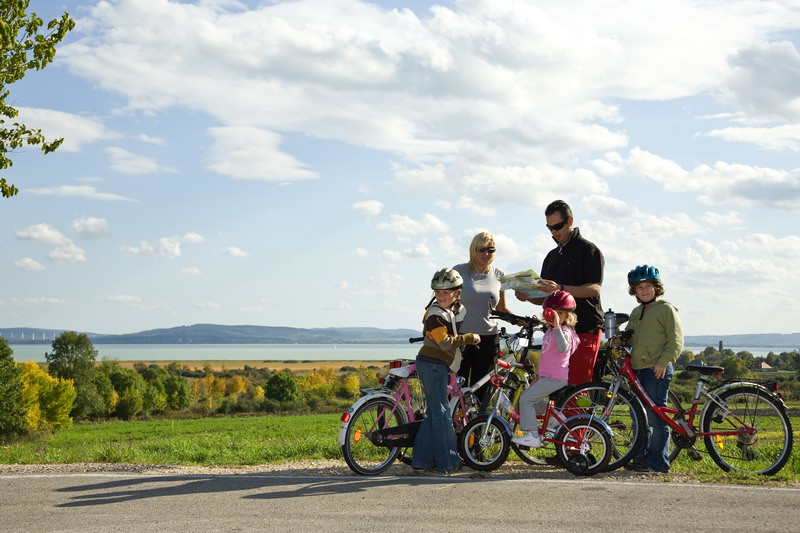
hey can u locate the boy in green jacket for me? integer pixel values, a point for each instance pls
(657, 342)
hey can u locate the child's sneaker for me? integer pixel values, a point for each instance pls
(529, 439)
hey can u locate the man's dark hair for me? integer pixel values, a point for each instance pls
(558, 206)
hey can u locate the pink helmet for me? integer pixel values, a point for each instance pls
(560, 300)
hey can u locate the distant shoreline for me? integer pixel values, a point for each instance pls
(219, 365)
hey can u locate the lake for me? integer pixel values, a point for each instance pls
(269, 352)
(233, 352)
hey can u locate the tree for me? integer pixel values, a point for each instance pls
(12, 414)
(73, 356)
(734, 367)
(283, 387)
(23, 48)
(47, 400)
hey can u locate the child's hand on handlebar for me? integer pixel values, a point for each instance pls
(476, 339)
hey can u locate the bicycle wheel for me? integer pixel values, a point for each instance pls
(484, 453)
(360, 454)
(627, 418)
(766, 445)
(584, 446)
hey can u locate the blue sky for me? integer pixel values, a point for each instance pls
(312, 163)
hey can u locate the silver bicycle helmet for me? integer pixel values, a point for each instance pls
(446, 278)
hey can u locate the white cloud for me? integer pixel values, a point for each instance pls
(42, 232)
(253, 154)
(705, 260)
(68, 253)
(764, 82)
(90, 227)
(233, 251)
(722, 183)
(76, 130)
(208, 306)
(26, 263)
(150, 140)
(730, 219)
(42, 300)
(468, 203)
(361, 252)
(781, 248)
(85, 191)
(164, 247)
(403, 225)
(368, 207)
(191, 271)
(129, 163)
(193, 238)
(543, 71)
(127, 299)
(776, 138)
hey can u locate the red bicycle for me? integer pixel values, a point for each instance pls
(743, 424)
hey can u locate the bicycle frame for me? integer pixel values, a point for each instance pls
(400, 394)
(682, 425)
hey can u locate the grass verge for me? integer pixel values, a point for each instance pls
(239, 441)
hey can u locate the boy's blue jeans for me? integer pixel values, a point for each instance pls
(654, 453)
(435, 443)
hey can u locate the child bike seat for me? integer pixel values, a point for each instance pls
(403, 371)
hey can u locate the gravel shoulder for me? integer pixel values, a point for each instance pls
(511, 470)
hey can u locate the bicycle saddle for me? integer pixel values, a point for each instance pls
(705, 370)
(403, 371)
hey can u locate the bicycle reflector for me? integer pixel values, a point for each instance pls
(346, 416)
(397, 363)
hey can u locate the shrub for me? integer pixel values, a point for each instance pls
(12, 414)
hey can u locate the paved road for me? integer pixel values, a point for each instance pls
(198, 503)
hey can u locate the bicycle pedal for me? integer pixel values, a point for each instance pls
(694, 454)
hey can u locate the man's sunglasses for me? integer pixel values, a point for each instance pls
(556, 227)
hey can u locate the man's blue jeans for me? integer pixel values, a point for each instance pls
(654, 453)
(435, 443)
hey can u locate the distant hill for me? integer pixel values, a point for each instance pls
(219, 334)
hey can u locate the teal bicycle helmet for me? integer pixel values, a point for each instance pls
(643, 273)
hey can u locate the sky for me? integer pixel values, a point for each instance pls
(312, 163)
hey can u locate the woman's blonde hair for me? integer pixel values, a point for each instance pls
(481, 240)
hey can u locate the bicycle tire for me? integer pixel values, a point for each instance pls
(360, 454)
(764, 452)
(590, 454)
(484, 454)
(627, 420)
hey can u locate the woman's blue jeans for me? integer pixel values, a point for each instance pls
(435, 443)
(654, 453)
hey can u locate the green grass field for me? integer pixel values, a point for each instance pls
(263, 439)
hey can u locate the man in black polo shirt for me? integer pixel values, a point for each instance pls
(576, 266)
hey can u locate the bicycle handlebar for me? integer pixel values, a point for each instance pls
(412, 340)
(530, 321)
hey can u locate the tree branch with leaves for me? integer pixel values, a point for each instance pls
(24, 47)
